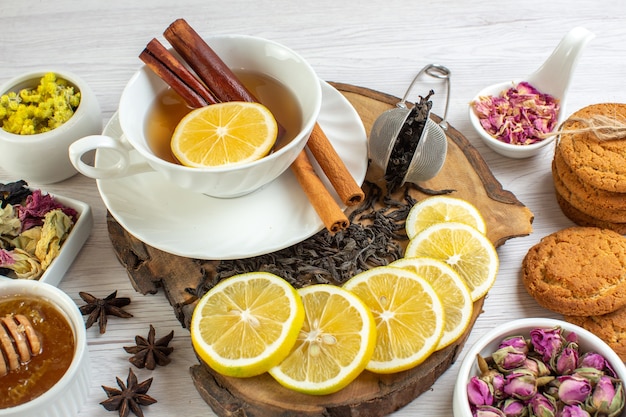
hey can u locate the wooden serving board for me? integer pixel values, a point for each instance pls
(464, 175)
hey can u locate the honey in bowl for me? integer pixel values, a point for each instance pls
(169, 108)
(30, 379)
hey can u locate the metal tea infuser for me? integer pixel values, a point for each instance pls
(430, 153)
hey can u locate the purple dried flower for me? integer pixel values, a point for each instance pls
(573, 389)
(519, 115)
(547, 342)
(567, 360)
(508, 358)
(542, 406)
(521, 385)
(606, 399)
(536, 367)
(517, 342)
(479, 392)
(573, 411)
(512, 407)
(592, 360)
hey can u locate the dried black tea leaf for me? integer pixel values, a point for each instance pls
(407, 141)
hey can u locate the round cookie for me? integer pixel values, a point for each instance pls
(609, 327)
(588, 206)
(578, 271)
(601, 164)
(583, 219)
(583, 191)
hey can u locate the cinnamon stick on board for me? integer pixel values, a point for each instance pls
(226, 87)
(326, 156)
(176, 75)
(333, 217)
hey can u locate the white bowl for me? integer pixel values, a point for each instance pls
(72, 245)
(507, 149)
(69, 393)
(489, 343)
(43, 158)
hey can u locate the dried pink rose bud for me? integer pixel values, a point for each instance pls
(573, 389)
(607, 398)
(574, 411)
(547, 342)
(542, 406)
(567, 360)
(521, 385)
(479, 392)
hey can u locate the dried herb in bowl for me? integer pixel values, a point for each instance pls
(33, 227)
(545, 375)
(520, 115)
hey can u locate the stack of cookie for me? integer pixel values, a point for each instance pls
(590, 173)
(580, 272)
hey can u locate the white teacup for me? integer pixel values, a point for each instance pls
(42, 158)
(239, 52)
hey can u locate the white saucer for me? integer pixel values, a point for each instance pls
(192, 225)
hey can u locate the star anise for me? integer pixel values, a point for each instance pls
(99, 308)
(149, 353)
(130, 397)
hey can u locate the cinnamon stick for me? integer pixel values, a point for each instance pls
(206, 63)
(326, 156)
(324, 204)
(176, 75)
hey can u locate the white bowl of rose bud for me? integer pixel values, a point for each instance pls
(500, 143)
(489, 343)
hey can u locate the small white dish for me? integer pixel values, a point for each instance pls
(67, 396)
(72, 245)
(194, 225)
(552, 77)
(43, 158)
(489, 342)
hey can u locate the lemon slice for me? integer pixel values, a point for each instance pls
(464, 249)
(438, 209)
(336, 342)
(452, 291)
(409, 316)
(246, 324)
(224, 134)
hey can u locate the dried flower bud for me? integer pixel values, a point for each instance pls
(479, 392)
(521, 385)
(517, 342)
(542, 406)
(537, 367)
(573, 389)
(573, 411)
(488, 411)
(512, 407)
(508, 358)
(567, 361)
(606, 399)
(547, 342)
(592, 360)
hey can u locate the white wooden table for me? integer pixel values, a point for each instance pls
(375, 44)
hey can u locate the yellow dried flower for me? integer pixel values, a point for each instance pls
(39, 110)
